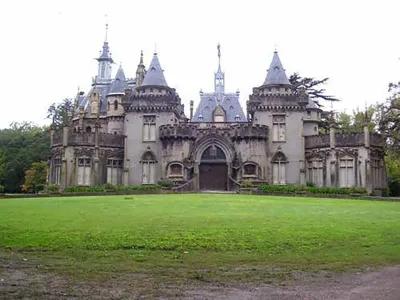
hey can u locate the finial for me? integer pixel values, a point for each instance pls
(106, 17)
(219, 56)
(141, 58)
(276, 51)
(155, 48)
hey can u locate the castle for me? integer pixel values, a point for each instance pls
(135, 131)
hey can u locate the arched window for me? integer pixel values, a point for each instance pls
(279, 162)
(108, 106)
(114, 170)
(346, 172)
(56, 170)
(315, 171)
(148, 167)
(175, 170)
(250, 170)
(115, 105)
(88, 129)
(84, 170)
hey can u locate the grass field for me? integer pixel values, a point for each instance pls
(200, 235)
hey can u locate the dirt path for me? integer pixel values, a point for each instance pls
(25, 281)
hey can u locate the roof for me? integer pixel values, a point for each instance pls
(119, 83)
(312, 105)
(230, 104)
(276, 73)
(105, 54)
(155, 74)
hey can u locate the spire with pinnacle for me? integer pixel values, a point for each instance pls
(105, 61)
(140, 71)
(155, 74)
(276, 73)
(219, 77)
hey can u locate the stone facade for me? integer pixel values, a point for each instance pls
(135, 131)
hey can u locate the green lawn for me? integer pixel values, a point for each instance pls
(218, 235)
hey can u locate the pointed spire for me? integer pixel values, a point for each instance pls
(105, 54)
(155, 74)
(119, 83)
(276, 73)
(141, 58)
(219, 57)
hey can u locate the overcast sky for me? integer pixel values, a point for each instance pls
(48, 47)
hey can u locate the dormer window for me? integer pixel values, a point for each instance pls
(308, 114)
(201, 118)
(115, 105)
(237, 118)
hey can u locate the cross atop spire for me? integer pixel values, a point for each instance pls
(106, 32)
(219, 56)
(219, 77)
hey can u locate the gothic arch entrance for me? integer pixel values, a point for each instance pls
(213, 169)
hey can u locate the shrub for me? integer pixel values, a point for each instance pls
(311, 189)
(108, 187)
(103, 188)
(246, 184)
(1, 189)
(166, 183)
(52, 188)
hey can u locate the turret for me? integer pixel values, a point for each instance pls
(154, 82)
(140, 71)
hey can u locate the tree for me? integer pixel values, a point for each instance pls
(313, 87)
(61, 113)
(21, 145)
(388, 118)
(355, 122)
(35, 177)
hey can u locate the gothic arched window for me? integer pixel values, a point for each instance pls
(279, 162)
(148, 167)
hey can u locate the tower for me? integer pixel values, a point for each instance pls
(225, 102)
(276, 105)
(151, 105)
(105, 62)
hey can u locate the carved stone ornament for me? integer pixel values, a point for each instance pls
(84, 152)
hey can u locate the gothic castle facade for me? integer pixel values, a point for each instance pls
(135, 131)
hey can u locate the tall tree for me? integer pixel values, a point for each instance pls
(388, 118)
(313, 87)
(61, 113)
(21, 144)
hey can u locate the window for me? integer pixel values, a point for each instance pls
(376, 169)
(108, 106)
(88, 129)
(201, 118)
(250, 170)
(346, 172)
(57, 170)
(237, 118)
(315, 172)
(279, 169)
(308, 114)
(114, 171)
(115, 105)
(175, 170)
(84, 168)
(148, 168)
(149, 128)
(278, 128)
(103, 71)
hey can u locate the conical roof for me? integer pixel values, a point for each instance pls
(119, 83)
(155, 74)
(276, 73)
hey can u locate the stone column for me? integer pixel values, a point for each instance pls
(64, 173)
(332, 138)
(96, 160)
(126, 161)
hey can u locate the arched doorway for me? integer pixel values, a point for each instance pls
(213, 169)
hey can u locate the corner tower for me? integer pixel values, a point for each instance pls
(276, 104)
(152, 104)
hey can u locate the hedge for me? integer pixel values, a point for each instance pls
(110, 188)
(311, 189)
